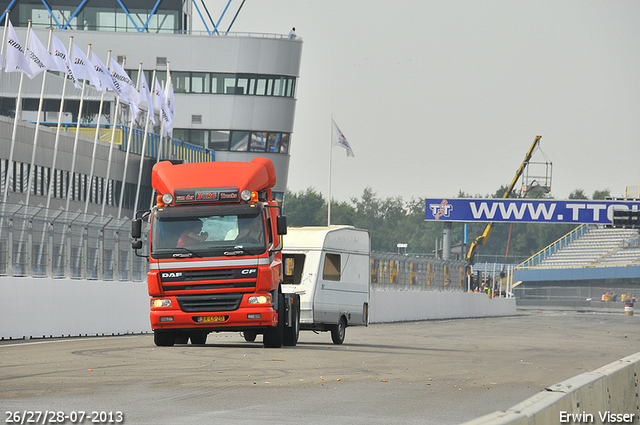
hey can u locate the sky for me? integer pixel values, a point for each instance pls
(437, 97)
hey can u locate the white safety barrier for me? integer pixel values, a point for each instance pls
(402, 306)
(606, 395)
(45, 307)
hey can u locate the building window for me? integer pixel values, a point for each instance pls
(240, 140)
(258, 142)
(219, 140)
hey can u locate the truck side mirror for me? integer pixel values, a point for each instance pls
(137, 244)
(136, 228)
(282, 224)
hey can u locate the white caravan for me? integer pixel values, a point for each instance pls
(329, 268)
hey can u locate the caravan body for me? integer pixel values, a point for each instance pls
(329, 268)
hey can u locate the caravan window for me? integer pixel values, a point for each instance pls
(293, 265)
(332, 268)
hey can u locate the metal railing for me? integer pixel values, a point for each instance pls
(58, 244)
(177, 148)
(36, 242)
(554, 247)
(391, 271)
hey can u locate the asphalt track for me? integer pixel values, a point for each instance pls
(432, 372)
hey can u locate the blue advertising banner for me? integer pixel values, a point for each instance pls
(525, 210)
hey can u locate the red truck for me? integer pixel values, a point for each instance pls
(215, 261)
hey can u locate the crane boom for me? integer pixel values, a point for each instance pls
(482, 239)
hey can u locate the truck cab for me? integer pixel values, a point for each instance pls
(215, 254)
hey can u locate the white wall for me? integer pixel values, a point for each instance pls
(41, 307)
(399, 306)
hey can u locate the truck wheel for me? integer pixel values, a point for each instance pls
(198, 338)
(291, 333)
(164, 339)
(273, 336)
(250, 336)
(338, 331)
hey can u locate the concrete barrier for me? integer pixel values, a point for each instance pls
(606, 395)
(401, 306)
(43, 307)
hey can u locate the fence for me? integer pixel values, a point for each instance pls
(406, 272)
(36, 242)
(40, 242)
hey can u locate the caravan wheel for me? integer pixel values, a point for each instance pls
(338, 331)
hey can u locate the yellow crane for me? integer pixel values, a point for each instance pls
(482, 239)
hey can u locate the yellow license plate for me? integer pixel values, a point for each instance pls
(207, 319)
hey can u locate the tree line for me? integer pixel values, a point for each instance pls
(393, 220)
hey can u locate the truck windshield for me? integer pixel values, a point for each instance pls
(198, 232)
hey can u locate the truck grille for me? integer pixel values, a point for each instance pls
(204, 303)
(203, 274)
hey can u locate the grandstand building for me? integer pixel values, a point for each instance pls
(582, 266)
(235, 98)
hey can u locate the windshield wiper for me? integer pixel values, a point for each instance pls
(229, 253)
(188, 254)
(238, 250)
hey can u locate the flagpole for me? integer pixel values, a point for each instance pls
(17, 117)
(144, 146)
(330, 163)
(161, 143)
(58, 129)
(113, 135)
(4, 34)
(37, 131)
(95, 145)
(126, 156)
(75, 140)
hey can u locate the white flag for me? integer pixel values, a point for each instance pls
(126, 88)
(38, 56)
(103, 73)
(340, 140)
(16, 61)
(61, 59)
(160, 103)
(158, 96)
(170, 98)
(83, 68)
(145, 95)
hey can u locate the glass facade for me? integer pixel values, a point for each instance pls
(236, 140)
(238, 84)
(106, 15)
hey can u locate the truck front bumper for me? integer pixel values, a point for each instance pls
(245, 316)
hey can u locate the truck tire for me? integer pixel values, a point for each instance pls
(164, 339)
(250, 336)
(291, 333)
(273, 336)
(198, 338)
(338, 331)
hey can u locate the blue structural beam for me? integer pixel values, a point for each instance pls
(4, 13)
(201, 17)
(72, 16)
(146, 24)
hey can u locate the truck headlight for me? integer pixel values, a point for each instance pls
(167, 198)
(260, 299)
(161, 303)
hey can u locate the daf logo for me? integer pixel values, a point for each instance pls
(169, 275)
(248, 271)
